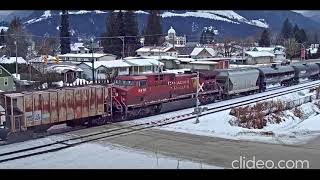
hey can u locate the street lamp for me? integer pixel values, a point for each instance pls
(92, 61)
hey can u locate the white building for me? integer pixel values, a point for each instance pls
(175, 40)
(259, 57)
(87, 57)
(104, 68)
(78, 48)
(157, 51)
(278, 51)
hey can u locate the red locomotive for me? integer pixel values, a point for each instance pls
(137, 96)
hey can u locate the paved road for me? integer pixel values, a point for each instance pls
(216, 151)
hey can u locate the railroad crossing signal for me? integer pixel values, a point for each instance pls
(45, 59)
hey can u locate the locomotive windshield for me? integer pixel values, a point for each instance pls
(124, 82)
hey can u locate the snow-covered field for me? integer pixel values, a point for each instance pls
(293, 130)
(101, 156)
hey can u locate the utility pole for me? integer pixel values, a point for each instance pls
(15, 43)
(92, 61)
(122, 39)
(197, 96)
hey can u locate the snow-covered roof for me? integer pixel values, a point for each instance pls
(264, 48)
(144, 62)
(159, 57)
(9, 60)
(40, 59)
(214, 59)
(109, 64)
(259, 54)
(185, 59)
(154, 49)
(63, 68)
(77, 47)
(203, 62)
(85, 55)
(197, 50)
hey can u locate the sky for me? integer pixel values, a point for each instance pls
(6, 12)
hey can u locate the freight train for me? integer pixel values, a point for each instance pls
(134, 96)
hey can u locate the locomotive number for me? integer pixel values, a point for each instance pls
(142, 90)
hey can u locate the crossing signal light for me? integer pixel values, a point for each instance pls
(57, 60)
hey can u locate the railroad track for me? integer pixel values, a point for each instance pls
(67, 143)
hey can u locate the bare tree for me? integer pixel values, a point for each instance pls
(292, 47)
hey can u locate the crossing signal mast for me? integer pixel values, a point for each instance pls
(198, 110)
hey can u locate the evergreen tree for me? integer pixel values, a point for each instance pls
(265, 39)
(131, 29)
(154, 29)
(295, 29)
(315, 38)
(286, 31)
(64, 33)
(120, 31)
(111, 27)
(1, 37)
(16, 39)
(303, 36)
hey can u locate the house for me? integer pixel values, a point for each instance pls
(203, 52)
(82, 57)
(176, 41)
(103, 69)
(6, 80)
(78, 48)
(143, 65)
(157, 51)
(185, 52)
(222, 62)
(69, 73)
(204, 65)
(259, 57)
(278, 51)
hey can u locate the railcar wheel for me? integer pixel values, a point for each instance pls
(4, 134)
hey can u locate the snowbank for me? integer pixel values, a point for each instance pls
(218, 124)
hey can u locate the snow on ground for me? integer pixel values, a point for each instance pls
(217, 124)
(101, 156)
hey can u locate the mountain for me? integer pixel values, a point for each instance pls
(21, 14)
(238, 24)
